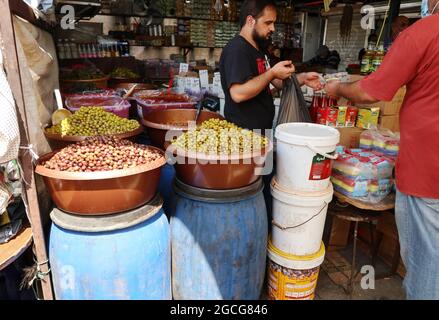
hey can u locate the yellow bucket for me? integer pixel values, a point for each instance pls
(293, 277)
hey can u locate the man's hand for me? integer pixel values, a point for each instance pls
(283, 70)
(332, 88)
(312, 80)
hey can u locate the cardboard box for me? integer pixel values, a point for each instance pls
(368, 118)
(391, 107)
(350, 137)
(389, 122)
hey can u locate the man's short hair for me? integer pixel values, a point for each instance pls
(253, 8)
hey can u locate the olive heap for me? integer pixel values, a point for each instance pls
(93, 121)
(102, 153)
(220, 137)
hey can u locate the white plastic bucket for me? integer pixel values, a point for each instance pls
(293, 277)
(299, 219)
(304, 155)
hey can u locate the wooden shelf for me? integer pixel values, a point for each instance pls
(387, 204)
(182, 18)
(11, 250)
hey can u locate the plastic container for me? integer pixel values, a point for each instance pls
(158, 123)
(101, 192)
(150, 100)
(67, 85)
(293, 277)
(219, 172)
(219, 242)
(304, 155)
(125, 256)
(299, 219)
(57, 141)
(114, 104)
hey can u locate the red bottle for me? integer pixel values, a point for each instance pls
(322, 111)
(314, 106)
(333, 102)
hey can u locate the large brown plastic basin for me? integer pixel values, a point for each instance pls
(221, 173)
(104, 192)
(158, 122)
(57, 141)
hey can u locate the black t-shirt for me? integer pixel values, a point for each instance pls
(240, 62)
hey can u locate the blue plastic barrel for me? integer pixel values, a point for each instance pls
(123, 256)
(167, 175)
(219, 241)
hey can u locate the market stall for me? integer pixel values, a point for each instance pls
(136, 184)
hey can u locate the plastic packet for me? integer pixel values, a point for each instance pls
(363, 174)
(384, 141)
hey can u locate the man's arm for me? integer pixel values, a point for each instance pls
(277, 83)
(241, 92)
(250, 89)
(351, 91)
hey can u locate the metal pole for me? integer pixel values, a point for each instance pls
(393, 13)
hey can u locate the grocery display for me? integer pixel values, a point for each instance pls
(151, 100)
(83, 73)
(362, 174)
(215, 136)
(372, 58)
(102, 154)
(159, 123)
(101, 176)
(123, 73)
(156, 192)
(384, 141)
(91, 121)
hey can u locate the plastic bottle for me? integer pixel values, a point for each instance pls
(378, 58)
(67, 51)
(73, 49)
(61, 49)
(366, 62)
(315, 103)
(322, 110)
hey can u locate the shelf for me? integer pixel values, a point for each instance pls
(182, 18)
(387, 203)
(183, 47)
(11, 250)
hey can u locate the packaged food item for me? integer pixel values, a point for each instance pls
(368, 118)
(366, 140)
(351, 116)
(383, 141)
(331, 117)
(341, 116)
(362, 174)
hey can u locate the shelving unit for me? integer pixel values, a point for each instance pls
(176, 17)
(11, 250)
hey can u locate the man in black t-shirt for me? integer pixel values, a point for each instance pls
(245, 72)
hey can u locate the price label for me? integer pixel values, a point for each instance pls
(184, 67)
(195, 84)
(204, 78)
(187, 83)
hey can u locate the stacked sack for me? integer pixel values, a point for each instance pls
(362, 174)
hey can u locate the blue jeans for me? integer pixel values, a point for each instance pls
(418, 227)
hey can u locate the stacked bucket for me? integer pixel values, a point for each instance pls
(301, 193)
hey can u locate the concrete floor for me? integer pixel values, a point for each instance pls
(389, 288)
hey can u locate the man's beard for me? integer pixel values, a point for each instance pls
(261, 41)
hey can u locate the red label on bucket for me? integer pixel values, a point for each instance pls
(321, 168)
